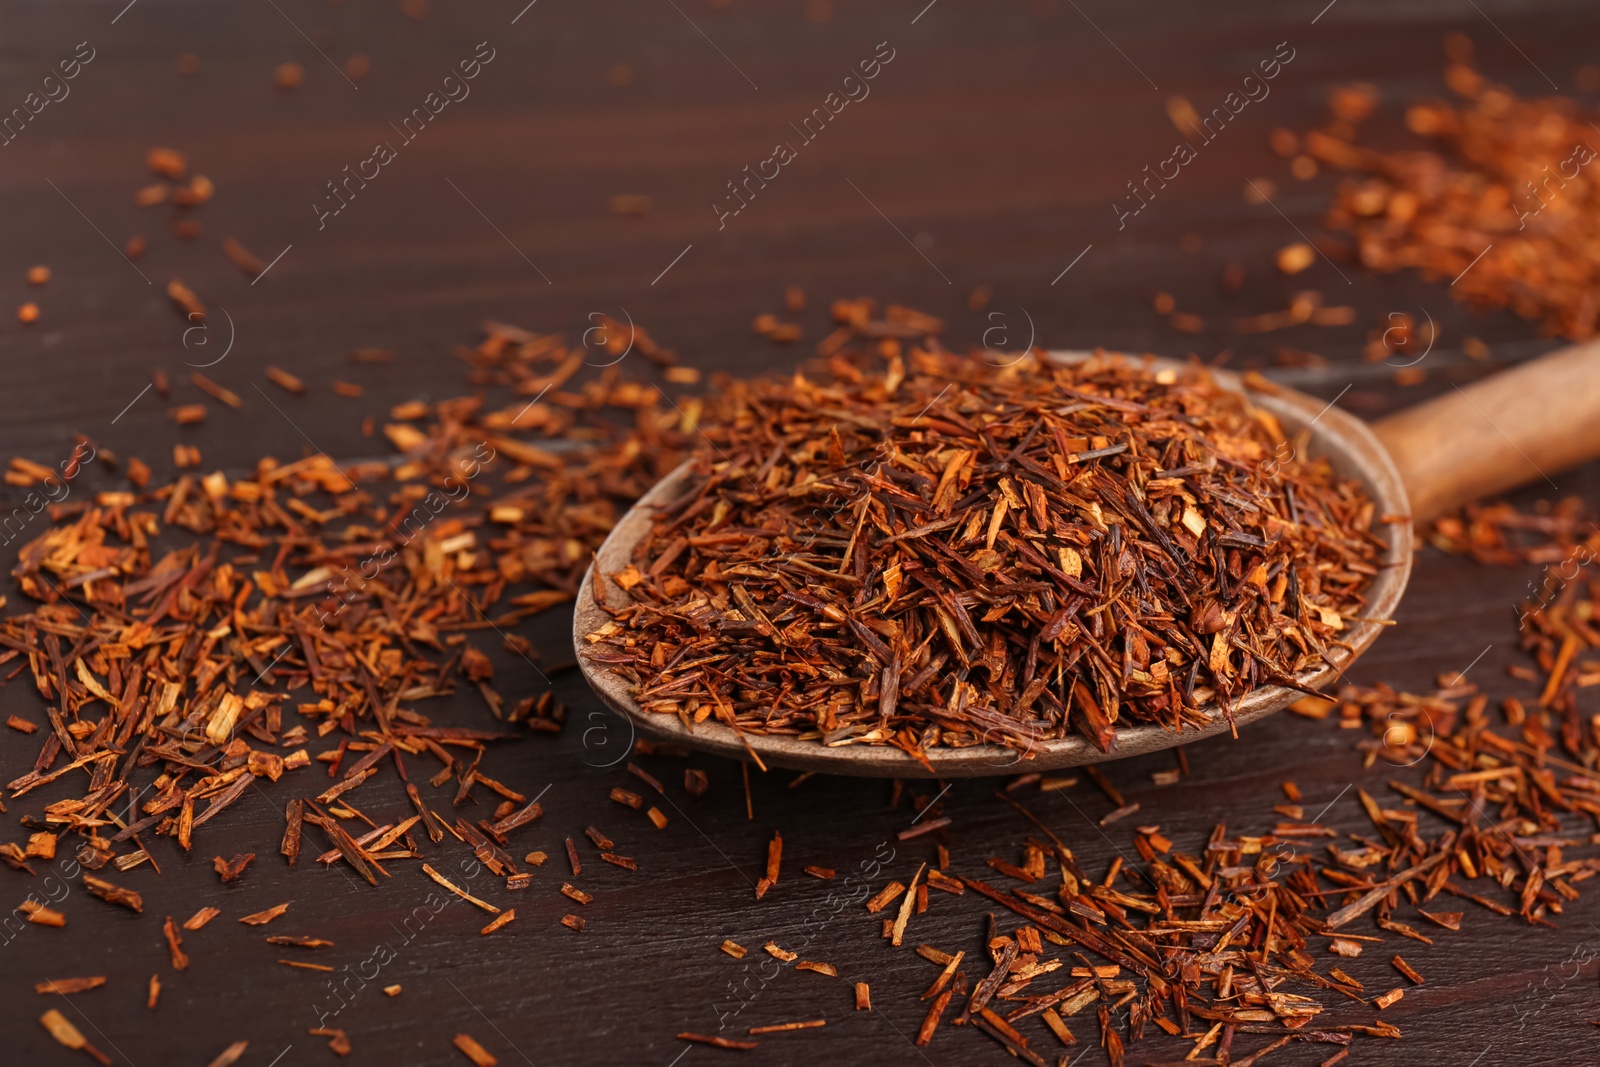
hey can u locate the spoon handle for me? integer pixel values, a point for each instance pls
(1526, 424)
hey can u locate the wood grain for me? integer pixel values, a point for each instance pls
(1519, 427)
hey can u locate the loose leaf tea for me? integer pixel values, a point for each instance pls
(144, 657)
(1228, 943)
(1500, 205)
(943, 553)
(474, 1051)
(64, 1032)
(65, 986)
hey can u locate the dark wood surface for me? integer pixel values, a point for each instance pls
(996, 141)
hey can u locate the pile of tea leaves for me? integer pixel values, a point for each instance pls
(930, 550)
(1500, 199)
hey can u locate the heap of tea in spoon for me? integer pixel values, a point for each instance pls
(942, 552)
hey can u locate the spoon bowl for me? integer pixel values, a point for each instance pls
(1347, 443)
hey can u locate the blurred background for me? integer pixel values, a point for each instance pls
(590, 153)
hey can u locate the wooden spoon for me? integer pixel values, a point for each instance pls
(1518, 426)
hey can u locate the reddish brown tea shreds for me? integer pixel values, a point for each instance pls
(311, 608)
(66, 986)
(473, 1051)
(942, 552)
(110, 687)
(175, 945)
(1215, 945)
(1231, 939)
(1506, 179)
(1498, 533)
(230, 1055)
(61, 1028)
(717, 1041)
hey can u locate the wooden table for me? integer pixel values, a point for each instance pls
(989, 152)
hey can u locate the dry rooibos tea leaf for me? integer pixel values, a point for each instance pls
(948, 554)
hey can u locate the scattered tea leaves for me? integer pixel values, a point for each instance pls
(260, 918)
(717, 1041)
(474, 1051)
(70, 985)
(67, 1034)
